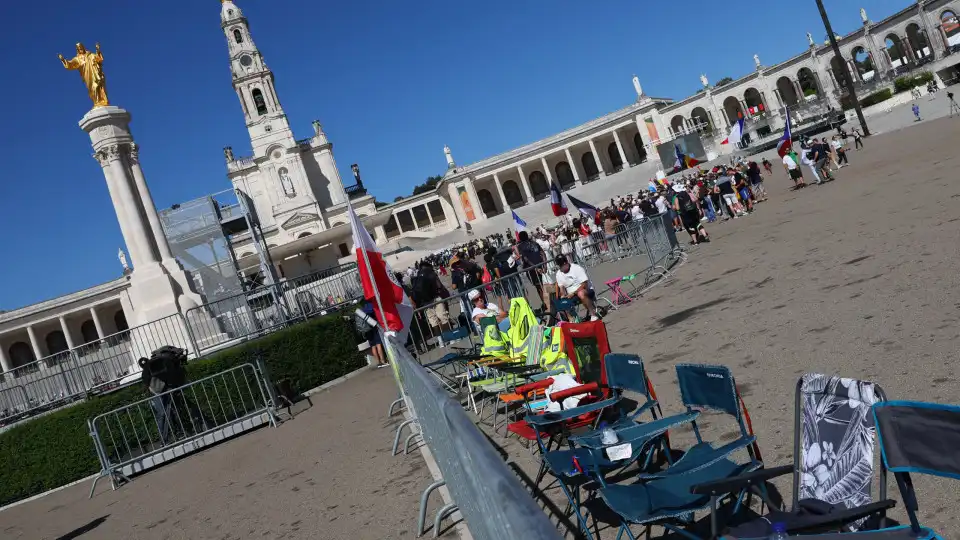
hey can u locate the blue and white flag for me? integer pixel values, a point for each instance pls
(519, 224)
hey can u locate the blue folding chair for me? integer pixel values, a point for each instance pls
(665, 498)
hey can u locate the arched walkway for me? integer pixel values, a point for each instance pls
(390, 227)
(951, 27)
(56, 343)
(754, 100)
(564, 174)
(590, 168)
(700, 117)
(487, 204)
(863, 61)
(838, 66)
(20, 354)
(513, 194)
(808, 82)
(788, 92)
(677, 123)
(732, 107)
(614, 155)
(120, 320)
(896, 51)
(919, 42)
(88, 331)
(538, 184)
(638, 144)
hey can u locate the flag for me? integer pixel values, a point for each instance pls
(393, 309)
(683, 161)
(584, 208)
(786, 142)
(556, 200)
(519, 224)
(736, 134)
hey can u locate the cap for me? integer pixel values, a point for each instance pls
(560, 260)
(473, 295)
(679, 188)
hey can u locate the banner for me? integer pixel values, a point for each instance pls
(465, 203)
(651, 129)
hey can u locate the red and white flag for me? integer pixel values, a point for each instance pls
(393, 309)
(556, 200)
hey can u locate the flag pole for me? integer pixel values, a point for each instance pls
(373, 281)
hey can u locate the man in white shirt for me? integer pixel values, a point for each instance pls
(809, 163)
(793, 169)
(661, 203)
(572, 282)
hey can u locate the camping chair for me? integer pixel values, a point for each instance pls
(833, 431)
(665, 498)
(457, 360)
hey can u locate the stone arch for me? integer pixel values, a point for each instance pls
(919, 42)
(864, 62)
(564, 174)
(896, 50)
(391, 227)
(838, 65)
(487, 204)
(788, 92)
(699, 116)
(638, 144)
(808, 82)
(677, 123)
(245, 254)
(538, 183)
(950, 25)
(56, 342)
(614, 155)
(753, 98)
(513, 194)
(258, 101)
(120, 319)
(305, 234)
(731, 106)
(589, 163)
(88, 331)
(20, 354)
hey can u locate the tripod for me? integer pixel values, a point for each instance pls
(954, 108)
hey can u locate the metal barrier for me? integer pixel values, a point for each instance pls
(269, 308)
(149, 432)
(493, 502)
(652, 241)
(92, 367)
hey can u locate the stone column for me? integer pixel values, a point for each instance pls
(623, 155)
(145, 252)
(146, 199)
(474, 199)
(413, 219)
(503, 198)
(526, 185)
(429, 217)
(776, 93)
(66, 332)
(35, 344)
(546, 171)
(596, 158)
(573, 166)
(4, 362)
(96, 321)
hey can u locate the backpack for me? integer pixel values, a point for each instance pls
(487, 278)
(686, 202)
(530, 252)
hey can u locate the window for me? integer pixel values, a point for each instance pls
(344, 250)
(238, 36)
(258, 101)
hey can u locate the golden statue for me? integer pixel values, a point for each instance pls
(90, 66)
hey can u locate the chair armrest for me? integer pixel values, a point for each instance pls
(729, 485)
(537, 385)
(843, 517)
(555, 417)
(575, 391)
(637, 432)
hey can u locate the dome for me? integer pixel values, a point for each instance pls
(229, 10)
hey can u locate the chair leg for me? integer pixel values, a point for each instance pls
(422, 517)
(392, 405)
(396, 439)
(442, 513)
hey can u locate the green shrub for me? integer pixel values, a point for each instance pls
(56, 449)
(902, 84)
(810, 92)
(877, 97)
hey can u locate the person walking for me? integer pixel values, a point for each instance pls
(793, 170)
(857, 139)
(821, 159)
(916, 112)
(690, 214)
(841, 153)
(806, 155)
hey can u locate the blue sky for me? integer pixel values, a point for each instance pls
(392, 83)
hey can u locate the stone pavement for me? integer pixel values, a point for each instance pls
(325, 474)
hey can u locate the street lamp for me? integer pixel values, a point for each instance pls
(356, 172)
(845, 72)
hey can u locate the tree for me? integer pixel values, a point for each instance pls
(398, 198)
(381, 204)
(723, 81)
(429, 185)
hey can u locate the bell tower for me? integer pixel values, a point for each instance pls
(254, 84)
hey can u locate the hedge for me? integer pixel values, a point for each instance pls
(902, 84)
(877, 97)
(56, 449)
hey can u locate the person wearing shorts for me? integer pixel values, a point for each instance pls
(689, 213)
(793, 169)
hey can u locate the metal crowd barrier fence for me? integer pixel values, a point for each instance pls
(652, 240)
(90, 368)
(491, 499)
(149, 432)
(266, 309)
